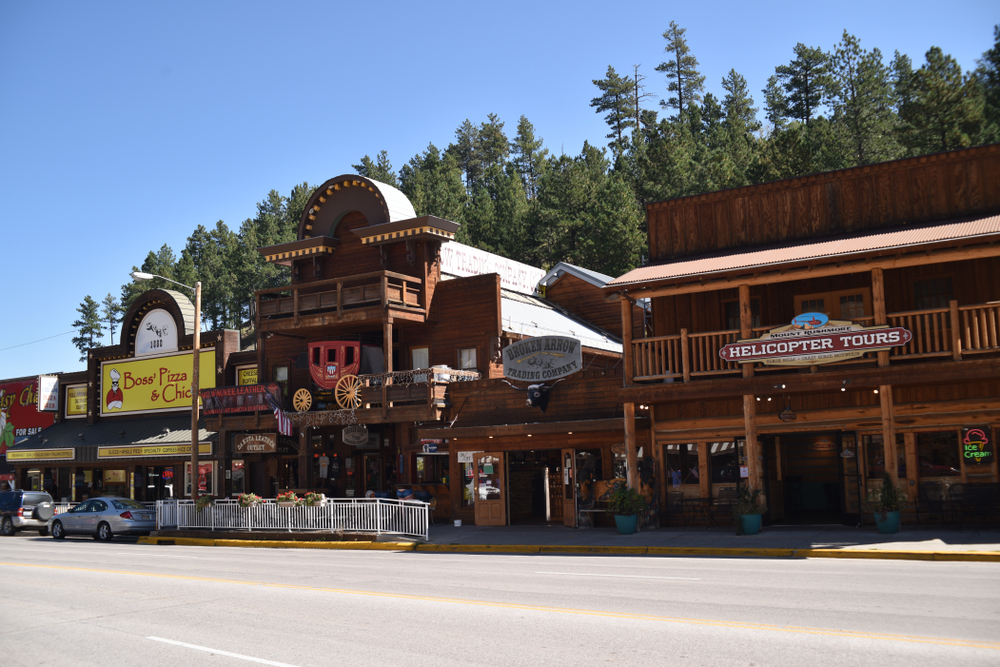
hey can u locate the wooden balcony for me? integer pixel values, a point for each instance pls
(951, 333)
(341, 295)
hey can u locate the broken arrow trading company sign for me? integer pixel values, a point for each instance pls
(813, 338)
(542, 358)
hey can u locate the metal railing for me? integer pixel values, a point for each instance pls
(380, 516)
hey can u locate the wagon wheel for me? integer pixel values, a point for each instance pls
(348, 392)
(302, 400)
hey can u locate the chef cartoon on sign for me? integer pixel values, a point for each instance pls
(114, 400)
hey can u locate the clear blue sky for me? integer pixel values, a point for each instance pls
(125, 125)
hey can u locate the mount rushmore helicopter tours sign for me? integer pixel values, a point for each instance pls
(813, 339)
(542, 358)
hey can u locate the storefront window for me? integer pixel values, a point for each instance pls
(875, 456)
(432, 468)
(682, 464)
(206, 478)
(723, 463)
(238, 477)
(468, 485)
(938, 453)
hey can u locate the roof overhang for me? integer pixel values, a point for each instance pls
(424, 227)
(910, 246)
(285, 253)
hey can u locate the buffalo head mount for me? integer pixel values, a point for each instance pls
(538, 394)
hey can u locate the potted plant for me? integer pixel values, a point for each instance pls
(311, 499)
(747, 510)
(203, 502)
(250, 499)
(885, 506)
(288, 499)
(626, 504)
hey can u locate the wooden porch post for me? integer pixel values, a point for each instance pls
(631, 458)
(304, 481)
(878, 308)
(746, 323)
(387, 351)
(626, 304)
(704, 472)
(752, 446)
(912, 465)
(889, 432)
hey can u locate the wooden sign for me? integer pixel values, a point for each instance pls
(257, 443)
(542, 358)
(356, 435)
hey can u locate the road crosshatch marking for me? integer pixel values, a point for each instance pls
(829, 632)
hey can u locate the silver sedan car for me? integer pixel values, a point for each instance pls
(104, 518)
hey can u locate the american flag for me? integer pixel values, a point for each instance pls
(284, 423)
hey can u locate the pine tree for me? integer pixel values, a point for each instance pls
(111, 315)
(862, 102)
(160, 263)
(618, 103)
(528, 156)
(380, 170)
(740, 113)
(988, 75)
(806, 81)
(775, 104)
(88, 326)
(944, 108)
(683, 78)
(433, 183)
(466, 152)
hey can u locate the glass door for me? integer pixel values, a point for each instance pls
(491, 505)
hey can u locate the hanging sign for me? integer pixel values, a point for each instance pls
(430, 445)
(257, 443)
(813, 339)
(542, 358)
(355, 435)
(48, 393)
(976, 447)
(76, 401)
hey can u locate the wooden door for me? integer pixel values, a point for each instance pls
(569, 487)
(491, 504)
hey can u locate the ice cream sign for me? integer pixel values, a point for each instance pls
(813, 338)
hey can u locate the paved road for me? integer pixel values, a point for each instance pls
(79, 602)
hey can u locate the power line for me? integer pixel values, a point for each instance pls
(4, 349)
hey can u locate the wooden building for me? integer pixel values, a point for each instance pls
(742, 387)
(123, 426)
(388, 345)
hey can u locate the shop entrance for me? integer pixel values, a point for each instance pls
(535, 484)
(491, 509)
(811, 472)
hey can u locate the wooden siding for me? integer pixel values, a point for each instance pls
(587, 302)
(917, 190)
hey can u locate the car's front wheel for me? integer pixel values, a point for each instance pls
(104, 533)
(8, 527)
(57, 530)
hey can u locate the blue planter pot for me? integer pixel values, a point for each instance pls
(751, 523)
(626, 524)
(889, 525)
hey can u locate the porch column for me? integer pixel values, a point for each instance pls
(746, 323)
(387, 352)
(753, 449)
(889, 432)
(626, 304)
(631, 458)
(912, 465)
(704, 471)
(878, 308)
(304, 481)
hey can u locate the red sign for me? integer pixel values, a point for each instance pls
(242, 398)
(834, 342)
(19, 415)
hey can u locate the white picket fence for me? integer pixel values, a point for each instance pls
(381, 516)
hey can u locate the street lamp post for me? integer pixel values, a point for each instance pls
(195, 362)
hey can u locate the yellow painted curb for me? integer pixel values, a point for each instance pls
(877, 554)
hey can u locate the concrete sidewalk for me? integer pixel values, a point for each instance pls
(933, 543)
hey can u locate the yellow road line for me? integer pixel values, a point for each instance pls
(940, 641)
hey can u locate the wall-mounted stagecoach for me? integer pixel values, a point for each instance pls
(333, 367)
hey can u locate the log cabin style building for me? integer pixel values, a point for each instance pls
(388, 348)
(804, 332)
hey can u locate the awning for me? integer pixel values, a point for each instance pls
(981, 229)
(113, 439)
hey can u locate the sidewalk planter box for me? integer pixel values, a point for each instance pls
(887, 522)
(626, 524)
(751, 523)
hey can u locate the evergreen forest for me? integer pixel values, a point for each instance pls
(824, 109)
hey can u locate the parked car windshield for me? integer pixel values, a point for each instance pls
(36, 498)
(127, 504)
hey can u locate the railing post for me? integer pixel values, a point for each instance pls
(378, 516)
(685, 355)
(956, 333)
(626, 304)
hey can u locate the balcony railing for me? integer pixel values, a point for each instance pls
(939, 332)
(367, 289)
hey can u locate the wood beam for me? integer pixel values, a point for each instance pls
(626, 304)
(889, 432)
(631, 457)
(753, 449)
(878, 307)
(868, 378)
(704, 471)
(543, 428)
(769, 275)
(912, 464)
(746, 323)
